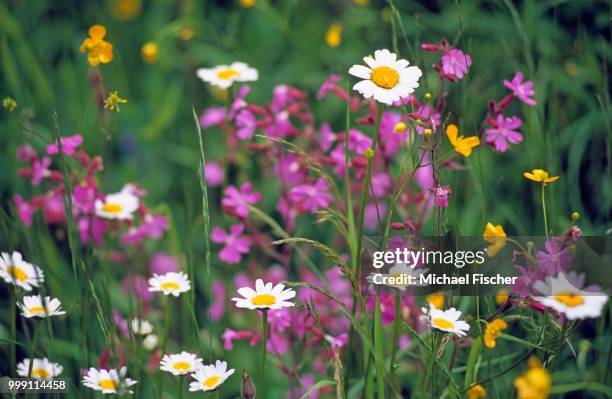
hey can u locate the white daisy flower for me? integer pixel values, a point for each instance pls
(386, 78)
(141, 327)
(398, 274)
(33, 306)
(209, 377)
(564, 294)
(180, 363)
(15, 270)
(171, 283)
(41, 369)
(108, 381)
(119, 206)
(264, 296)
(224, 76)
(448, 321)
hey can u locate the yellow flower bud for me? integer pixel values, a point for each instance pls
(369, 153)
(400, 127)
(9, 104)
(428, 96)
(186, 33)
(150, 52)
(427, 132)
(575, 216)
(333, 37)
(247, 3)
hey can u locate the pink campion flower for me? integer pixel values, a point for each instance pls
(307, 382)
(455, 64)
(213, 173)
(312, 197)
(92, 228)
(525, 280)
(69, 145)
(381, 184)
(275, 274)
(121, 323)
(505, 132)
(288, 211)
(84, 199)
(162, 263)
(442, 193)
(235, 202)
(337, 342)
(555, 259)
(229, 336)
(152, 226)
(26, 153)
(279, 126)
(25, 210)
(289, 169)
(328, 137)
(234, 244)
(374, 215)
(387, 307)
(393, 132)
(574, 233)
(217, 310)
(53, 208)
(330, 85)
(284, 96)
(523, 91)
(239, 102)
(427, 116)
(137, 285)
(359, 142)
(246, 124)
(213, 116)
(40, 170)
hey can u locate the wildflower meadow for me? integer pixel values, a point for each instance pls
(305, 199)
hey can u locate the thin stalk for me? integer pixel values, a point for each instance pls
(13, 316)
(33, 349)
(160, 384)
(264, 352)
(379, 347)
(544, 212)
(396, 331)
(180, 387)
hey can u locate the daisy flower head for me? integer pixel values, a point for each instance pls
(119, 206)
(223, 76)
(210, 377)
(16, 271)
(35, 306)
(385, 78)
(448, 321)
(171, 283)
(180, 363)
(108, 381)
(141, 327)
(264, 296)
(564, 293)
(41, 369)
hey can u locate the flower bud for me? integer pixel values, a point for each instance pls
(369, 153)
(427, 132)
(150, 52)
(428, 96)
(9, 104)
(247, 390)
(575, 216)
(399, 127)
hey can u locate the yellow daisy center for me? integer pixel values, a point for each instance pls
(112, 208)
(181, 366)
(108, 384)
(227, 74)
(570, 299)
(263, 300)
(442, 323)
(40, 373)
(211, 381)
(36, 309)
(170, 286)
(384, 77)
(17, 273)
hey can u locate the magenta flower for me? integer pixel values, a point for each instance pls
(374, 214)
(213, 116)
(312, 197)
(236, 202)
(505, 132)
(162, 263)
(245, 124)
(217, 310)
(358, 141)
(24, 209)
(152, 226)
(234, 244)
(289, 169)
(442, 193)
(92, 228)
(381, 183)
(393, 132)
(53, 208)
(525, 280)
(523, 91)
(137, 285)
(40, 170)
(427, 116)
(69, 145)
(328, 86)
(455, 64)
(26, 153)
(328, 137)
(213, 173)
(229, 336)
(556, 258)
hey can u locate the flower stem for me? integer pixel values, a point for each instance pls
(544, 212)
(180, 387)
(264, 343)
(379, 347)
(396, 330)
(13, 316)
(160, 384)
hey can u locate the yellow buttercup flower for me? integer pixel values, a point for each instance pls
(150, 52)
(463, 145)
(126, 9)
(476, 392)
(534, 383)
(492, 331)
(113, 100)
(333, 37)
(496, 236)
(98, 50)
(247, 3)
(501, 297)
(436, 300)
(540, 176)
(361, 2)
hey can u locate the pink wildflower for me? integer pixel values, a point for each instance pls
(455, 64)
(289, 169)
(245, 124)
(236, 201)
(69, 145)
(152, 226)
(556, 258)
(25, 210)
(162, 263)
(234, 244)
(40, 170)
(229, 336)
(523, 91)
(328, 137)
(213, 173)
(504, 132)
(217, 310)
(213, 116)
(330, 85)
(239, 102)
(442, 193)
(312, 197)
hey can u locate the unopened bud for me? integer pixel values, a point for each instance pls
(427, 132)
(575, 216)
(9, 104)
(399, 127)
(150, 342)
(369, 153)
(247, 390)
(428, 96)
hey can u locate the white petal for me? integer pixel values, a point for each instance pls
(360, 71)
